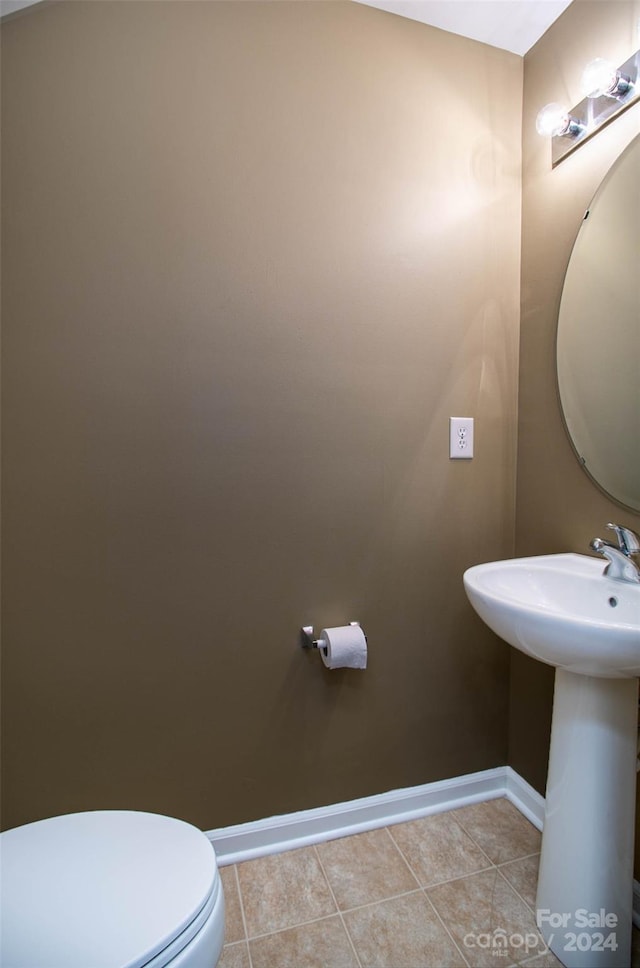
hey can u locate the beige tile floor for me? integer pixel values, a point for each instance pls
(420, 894)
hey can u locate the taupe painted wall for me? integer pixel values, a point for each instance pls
(254, 257)
(558, 507)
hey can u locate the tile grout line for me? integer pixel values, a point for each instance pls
(517, 892)
(325, 917)
(338, 909)
(507, 882)
(382, 900)
(437, 914)
(242, 943)
(461, 824)
(519, 895)
(504, 863)
(294, 927)
(408, 865)
(449, 880)
(244, 919)
(426, 896)
(474, 841)
(534, 853)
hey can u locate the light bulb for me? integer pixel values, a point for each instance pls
(600, 77)
(552, 120)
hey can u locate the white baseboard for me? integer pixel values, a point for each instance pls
(246, 841)
(273, 835)
(523, 796)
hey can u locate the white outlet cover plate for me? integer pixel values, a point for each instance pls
(461, 438)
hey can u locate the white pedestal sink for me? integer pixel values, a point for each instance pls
(562, 610)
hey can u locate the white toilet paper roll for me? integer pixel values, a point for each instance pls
(344, 647)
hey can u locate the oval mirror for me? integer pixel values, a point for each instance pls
(598, 342)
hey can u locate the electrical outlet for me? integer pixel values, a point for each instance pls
(461, 438)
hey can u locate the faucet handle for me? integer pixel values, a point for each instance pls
(628, 540)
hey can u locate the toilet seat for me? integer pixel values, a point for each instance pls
(106, 888)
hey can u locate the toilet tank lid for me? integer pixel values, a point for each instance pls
(99, 889)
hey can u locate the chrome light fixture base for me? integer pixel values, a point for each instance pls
(593, 113)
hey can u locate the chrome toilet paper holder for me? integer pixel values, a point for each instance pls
(307, 640)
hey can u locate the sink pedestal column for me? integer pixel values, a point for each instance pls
(585, 886)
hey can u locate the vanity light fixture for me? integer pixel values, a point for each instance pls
(601, 79)
(608, 90)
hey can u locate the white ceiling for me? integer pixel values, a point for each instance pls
(10, 6)
(514, 25)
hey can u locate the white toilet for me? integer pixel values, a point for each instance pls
(109, 889)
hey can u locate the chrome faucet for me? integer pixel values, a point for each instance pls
(620, 561)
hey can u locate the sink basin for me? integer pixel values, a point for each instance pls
(562, 610)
